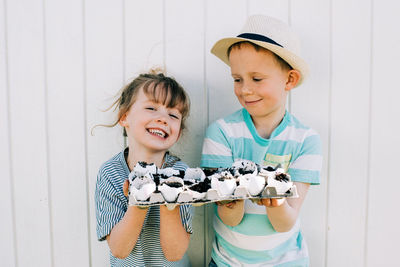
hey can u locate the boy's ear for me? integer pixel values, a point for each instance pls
(293, 79)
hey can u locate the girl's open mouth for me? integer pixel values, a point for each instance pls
(158, 132)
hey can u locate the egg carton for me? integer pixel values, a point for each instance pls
(212, 195)
(151, 186)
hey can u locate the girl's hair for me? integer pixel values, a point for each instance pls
(281, 62)
(159, 88)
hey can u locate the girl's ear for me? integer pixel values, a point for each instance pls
(179, 135)
(293, 79)
(122, 121)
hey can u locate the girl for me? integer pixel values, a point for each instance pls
(152, 110)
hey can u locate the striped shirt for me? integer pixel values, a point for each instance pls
(111, 205)
(254, 242)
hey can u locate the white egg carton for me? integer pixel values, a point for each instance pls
(245, 180)
(212, 195)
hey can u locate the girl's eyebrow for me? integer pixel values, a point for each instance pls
(176, 108)
(150, 101)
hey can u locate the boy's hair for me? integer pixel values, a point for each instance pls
(282, 63)
(159, 88)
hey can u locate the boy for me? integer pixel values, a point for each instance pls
(265, 66)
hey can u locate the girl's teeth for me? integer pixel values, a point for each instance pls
(157, 132)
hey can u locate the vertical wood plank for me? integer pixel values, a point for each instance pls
(222, 100)
(310, 104)
(184, 58)
(144, 36)
(66, 131)
(276, 9)
(7, 228)
(349, 132)
(28, 131)
(104, 74)
(383, 230)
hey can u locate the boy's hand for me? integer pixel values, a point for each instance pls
(126, 187)
(271, 202)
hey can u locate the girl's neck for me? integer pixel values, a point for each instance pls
(136, 155)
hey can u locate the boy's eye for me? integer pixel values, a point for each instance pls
(257, 79)
(150, 108)
(236, 80)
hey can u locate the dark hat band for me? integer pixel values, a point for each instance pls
(258, 37)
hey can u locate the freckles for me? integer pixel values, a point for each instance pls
(237, 92)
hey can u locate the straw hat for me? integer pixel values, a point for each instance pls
(271, 34)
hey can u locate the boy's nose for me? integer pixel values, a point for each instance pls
(246, 89)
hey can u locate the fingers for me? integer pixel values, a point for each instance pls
(276, 202)
(266, 202)
(272, 202)
(230, 204)
(223, 203)
(126, 187)
(141, 207)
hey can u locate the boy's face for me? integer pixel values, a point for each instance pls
(260, 84)
(150, 125)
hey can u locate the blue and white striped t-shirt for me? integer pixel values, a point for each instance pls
(111, 205)
(254, 242)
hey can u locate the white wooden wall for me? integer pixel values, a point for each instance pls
(61, 62)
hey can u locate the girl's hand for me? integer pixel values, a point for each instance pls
(231, 212)
(126, 187)
(230, 204)
(271, 202)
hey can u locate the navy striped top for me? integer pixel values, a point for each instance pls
(111, 205)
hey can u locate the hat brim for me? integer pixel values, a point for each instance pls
(220, 49)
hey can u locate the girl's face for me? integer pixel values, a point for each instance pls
(151, 126)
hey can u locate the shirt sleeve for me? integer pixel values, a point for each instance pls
(110, 207)
(217, 150)
(307, 165)
(186, 212)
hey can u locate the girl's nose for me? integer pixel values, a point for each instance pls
(161, 120)
(162, 117)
